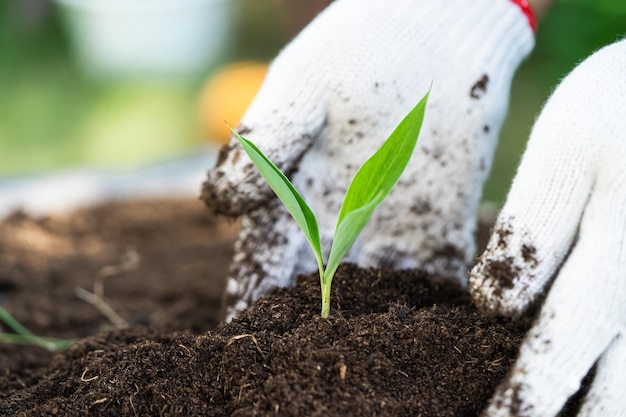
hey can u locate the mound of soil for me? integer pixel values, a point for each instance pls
(395, 345)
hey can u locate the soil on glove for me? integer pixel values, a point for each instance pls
(395, 345)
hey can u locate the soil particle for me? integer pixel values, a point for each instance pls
(528, 254)
(480, 87)
(223, 154)
(450, 253)
(421, 207)
(394, 345)
(503, 232)
(245, 130)
(504, 272)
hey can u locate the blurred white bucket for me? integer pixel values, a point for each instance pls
(116, 38)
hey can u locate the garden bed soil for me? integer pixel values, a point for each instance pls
(395, 345)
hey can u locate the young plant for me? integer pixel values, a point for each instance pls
(23, 336)
(369, 187)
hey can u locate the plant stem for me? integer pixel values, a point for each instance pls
(15, 325)
(26, 337)
(326, 286)
(325, 301)
(327, 282)
(48, 343)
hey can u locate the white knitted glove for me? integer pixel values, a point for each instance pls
(329, 101)
(570, 190)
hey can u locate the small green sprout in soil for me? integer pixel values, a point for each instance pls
(23, 336)
(369, 187)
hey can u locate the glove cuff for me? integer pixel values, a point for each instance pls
(528, 12)
(497, 32)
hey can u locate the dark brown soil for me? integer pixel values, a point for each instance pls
(394, 346)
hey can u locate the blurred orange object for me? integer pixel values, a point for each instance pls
(226, 96)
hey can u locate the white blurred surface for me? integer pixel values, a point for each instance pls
(114, 38)
(71, 189)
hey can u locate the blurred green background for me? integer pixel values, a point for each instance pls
(52, 116)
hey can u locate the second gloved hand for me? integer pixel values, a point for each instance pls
(569, 195)
(329, 101)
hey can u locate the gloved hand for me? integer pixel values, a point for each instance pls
(329, 101)
(569, 195)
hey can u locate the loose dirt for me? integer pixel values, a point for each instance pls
(395, 345)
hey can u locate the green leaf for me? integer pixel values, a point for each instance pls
(373, 182)
(48, 343)
(288, 195)
(26, 337)
(345, 235)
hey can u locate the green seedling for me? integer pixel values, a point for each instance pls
(369, 187)
(23, 336)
